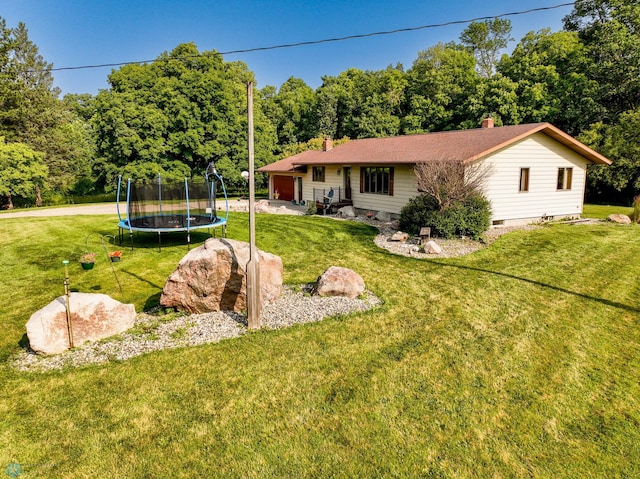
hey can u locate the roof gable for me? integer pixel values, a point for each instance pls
(461, 145)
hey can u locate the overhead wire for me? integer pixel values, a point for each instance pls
(331, 40)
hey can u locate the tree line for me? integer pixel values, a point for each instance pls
(187, 108)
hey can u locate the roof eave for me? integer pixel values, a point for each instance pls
(553, 132)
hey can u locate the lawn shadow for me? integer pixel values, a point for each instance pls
(152, 301)
(140, 278)
(151, 240)
(606, 302)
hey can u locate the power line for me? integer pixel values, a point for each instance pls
(336, 39)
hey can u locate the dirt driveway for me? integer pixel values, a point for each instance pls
(110, 209)
(93, 209)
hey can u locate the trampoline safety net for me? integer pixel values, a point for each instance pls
(165, 205)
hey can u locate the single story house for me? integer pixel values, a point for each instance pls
(536, 171)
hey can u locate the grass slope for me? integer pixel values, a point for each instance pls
(520, 360)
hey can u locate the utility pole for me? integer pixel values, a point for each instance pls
(253, 271)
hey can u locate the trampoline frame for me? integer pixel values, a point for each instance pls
(211, 178)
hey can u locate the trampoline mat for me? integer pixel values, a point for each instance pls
(172, 221)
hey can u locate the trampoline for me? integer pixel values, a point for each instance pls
(161, 206)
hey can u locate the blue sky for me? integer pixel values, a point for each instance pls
(72, 33)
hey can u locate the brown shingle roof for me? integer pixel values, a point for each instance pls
(460, 145)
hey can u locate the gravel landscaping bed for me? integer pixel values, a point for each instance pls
(153, 332)
(450, 247)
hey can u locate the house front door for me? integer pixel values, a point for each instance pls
(346, 171)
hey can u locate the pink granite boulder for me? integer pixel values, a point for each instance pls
(93, 317)
(337, 281)
(212, 277)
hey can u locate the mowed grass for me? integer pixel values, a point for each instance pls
(602, 211)
(520, 360)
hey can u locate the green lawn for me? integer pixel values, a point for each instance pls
(602, 211)
(520, 360)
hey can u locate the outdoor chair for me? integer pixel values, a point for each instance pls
(327, 201)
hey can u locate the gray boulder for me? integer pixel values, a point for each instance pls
(431, 247)
(212, 277)
(346, 212)
(93, 317)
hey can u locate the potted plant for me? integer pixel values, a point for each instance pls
(276, 195)
(115, 256)
(87, 260)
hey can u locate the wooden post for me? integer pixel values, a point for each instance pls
(253, 271)
(425, 235)
(67, 294)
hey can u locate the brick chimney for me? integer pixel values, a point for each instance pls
(327, 144)
(487, 123)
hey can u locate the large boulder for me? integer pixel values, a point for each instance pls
(431, 247)
(93, 317)
(619, 218)
(337, 281)
(262, 206)
(346, 212)
(383, 216)
(212, 277)
(399, 236)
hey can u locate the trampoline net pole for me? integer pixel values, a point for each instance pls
(160, 193)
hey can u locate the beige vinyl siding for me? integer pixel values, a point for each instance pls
(543, 156)
(331, 179)
(404, 187)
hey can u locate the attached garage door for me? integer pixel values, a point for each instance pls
(284, 185)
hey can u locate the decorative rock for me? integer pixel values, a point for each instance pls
(622, 219)
(383, 216)
(346, 212)
(93, 317)
(337, 281)
(399, 236)
(262, 206)
(212, 277)
(431, 247)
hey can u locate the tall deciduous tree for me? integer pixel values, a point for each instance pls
(291, 110)
(28, 99)
(619, 182)
(31, 113)
(361, 104)
(486, 40)
(495, 97)
(552, 85)
(22, 171)
(187, 107)
(439, 83)
(611, 31)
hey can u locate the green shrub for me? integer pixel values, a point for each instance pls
(463, 218)
(417, 213)
(97, 198)
(54, 198)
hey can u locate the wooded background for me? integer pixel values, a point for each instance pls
(187, 108)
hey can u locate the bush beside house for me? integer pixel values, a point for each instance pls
(469, 217)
